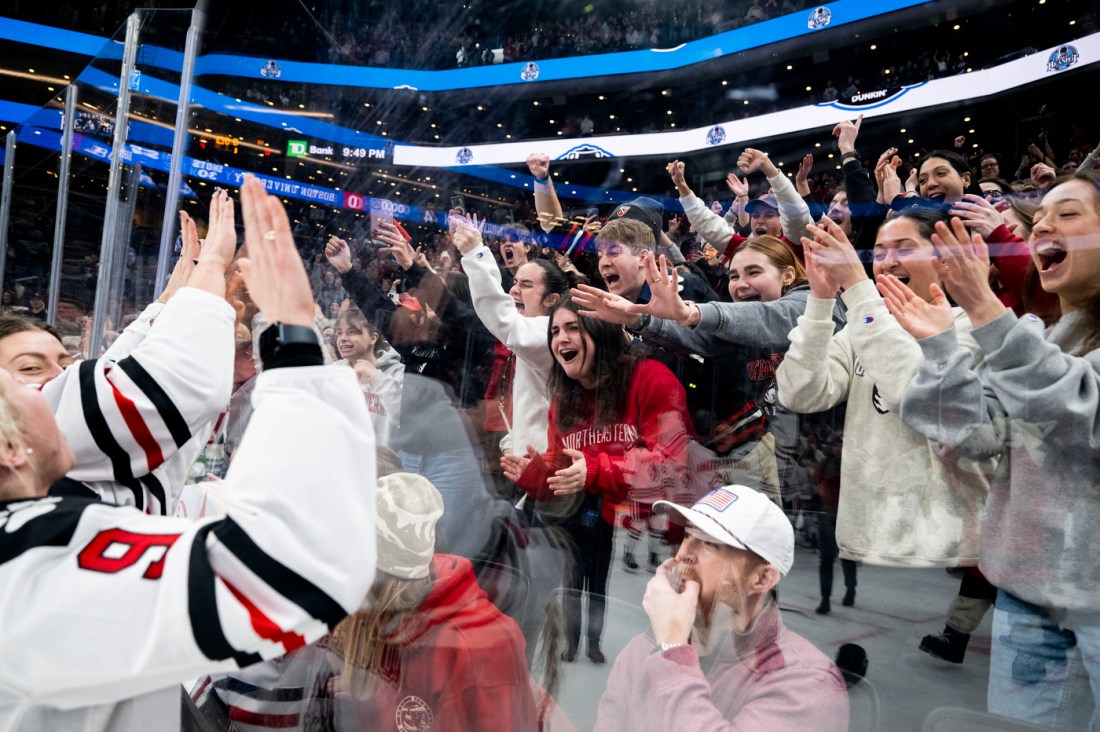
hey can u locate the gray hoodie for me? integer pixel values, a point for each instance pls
(1036, 406)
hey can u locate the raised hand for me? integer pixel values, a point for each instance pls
(919, 317)
(339, 254)
(592, 224)
(273, 271)
(571, 479)
(846, 133)
(539, 164)
(740, 187)
(675, 171)
(221, 232)
(185, 265)
(664, 289)
(801, 178)
(886, 174)
(752, 160)
(466, 232)
(396, 244)
(977, 214)
(913, 181)
(422, 259)
(605, 306)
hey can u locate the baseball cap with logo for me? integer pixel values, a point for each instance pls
(743, 518)
(408, 508)
(645, 210)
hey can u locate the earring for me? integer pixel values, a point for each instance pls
(30, 450)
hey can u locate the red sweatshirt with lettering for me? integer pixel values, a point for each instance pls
(642, 456)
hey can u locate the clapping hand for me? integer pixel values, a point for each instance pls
(739, 186)
(513, 465)
(835, 262)
(571, 479)
(886, 174)
(919, 317)
(963, 265)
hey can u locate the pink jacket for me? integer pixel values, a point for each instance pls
(768, 678)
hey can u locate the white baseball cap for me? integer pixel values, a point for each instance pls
(743, 518)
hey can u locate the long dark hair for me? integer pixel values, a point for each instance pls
(925, 217)
(961, 166)
(558, 281)
(614, 367)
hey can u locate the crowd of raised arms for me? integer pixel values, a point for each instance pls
(369, 488)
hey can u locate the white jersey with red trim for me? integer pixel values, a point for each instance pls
(104, 609)
(139, 416)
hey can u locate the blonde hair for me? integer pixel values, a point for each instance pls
(779, 254)
(371, 642)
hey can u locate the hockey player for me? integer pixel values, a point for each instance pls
(106, 609)
(137, 417)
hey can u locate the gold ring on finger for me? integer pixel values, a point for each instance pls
(270, 235)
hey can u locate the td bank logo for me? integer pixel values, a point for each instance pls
(296, 148)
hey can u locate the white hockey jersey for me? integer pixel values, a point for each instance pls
(139, 416)
(104, 609)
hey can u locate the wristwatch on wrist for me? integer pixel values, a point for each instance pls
(854, 154)
(640, 325)
(279, 335)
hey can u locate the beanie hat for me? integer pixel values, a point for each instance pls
(408, 507)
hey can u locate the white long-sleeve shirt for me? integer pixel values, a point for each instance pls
(525, 337)
(794, 215)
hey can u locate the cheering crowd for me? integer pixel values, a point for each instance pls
(340, 495)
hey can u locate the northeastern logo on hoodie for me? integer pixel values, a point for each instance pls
(625, 433)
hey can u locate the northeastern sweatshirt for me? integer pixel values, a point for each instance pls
(643, 456)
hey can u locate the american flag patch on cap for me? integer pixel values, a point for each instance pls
(718, 499)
